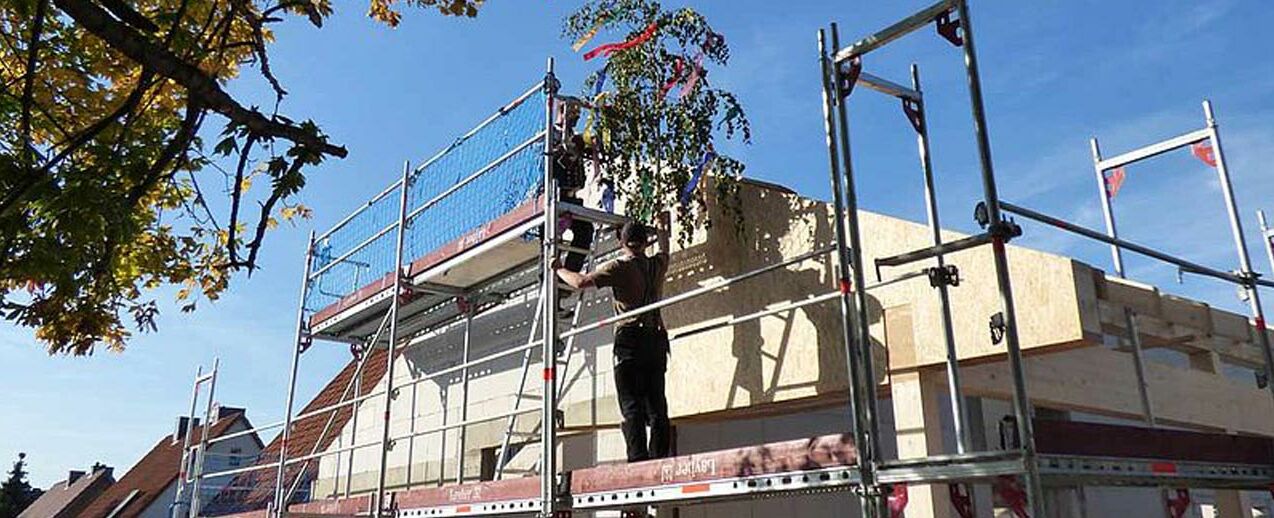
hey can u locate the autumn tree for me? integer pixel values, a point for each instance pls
(659, 110)
(107, 190)
(15, 492)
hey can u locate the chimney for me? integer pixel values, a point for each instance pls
(227, 411)
(73, 476)
(179, 431)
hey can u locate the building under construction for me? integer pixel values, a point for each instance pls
(826, 361)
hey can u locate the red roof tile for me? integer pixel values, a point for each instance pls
(305, 434)
(153, 474)
(63, 501)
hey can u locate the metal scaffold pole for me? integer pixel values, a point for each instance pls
(392, 344)
(1021, 403)
(195, 500)
(302, 336)
(848, 315)
(181, 503)
(1240, 244)
(549, 238)
(1130, 317)
(464, 390)
(959, 414)
(867, 372)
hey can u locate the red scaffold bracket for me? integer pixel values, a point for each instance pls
(1010, 492)
(1180, 504)
(845, 286)
(949, 29)
(897, 501)
(961, 499)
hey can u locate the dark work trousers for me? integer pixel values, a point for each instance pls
(641, 356)
(581, 237)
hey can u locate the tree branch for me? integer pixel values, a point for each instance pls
(237, 197)
(199, 86)
(28, 87)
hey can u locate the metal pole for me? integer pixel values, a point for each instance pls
(1130, 317)
(394, 304)
(548, 238)
(830, 93)
(1021, 403)
(181, 507)
(302, 334)
(353, 428)
(1240, 244)
(867, 376)
(959, 414)
(195, 500)
(1265, 238)
(464, 392)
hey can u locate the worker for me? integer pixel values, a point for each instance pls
(568, 170)
(641, 342)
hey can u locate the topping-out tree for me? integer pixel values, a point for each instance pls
(658, 109)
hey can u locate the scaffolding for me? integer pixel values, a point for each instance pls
(509, 251)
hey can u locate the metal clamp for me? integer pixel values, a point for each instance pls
(997, 327)
(306, 339)
(961, 499)
(948, 275)
(847, 76)
(1006, 229)
(915, 114)
(949, 29)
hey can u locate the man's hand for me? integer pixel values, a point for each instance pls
(663, 226)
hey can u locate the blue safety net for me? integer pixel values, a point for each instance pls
(493, 169)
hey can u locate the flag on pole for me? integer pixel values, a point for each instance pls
(1203, 151)
(611, 48)
(1114, 180)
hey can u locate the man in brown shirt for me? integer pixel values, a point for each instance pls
(641, 342)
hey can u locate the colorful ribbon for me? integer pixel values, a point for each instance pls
(611, 48)
(677, 72)
(693, 80)
(588, 36)
(698, 174)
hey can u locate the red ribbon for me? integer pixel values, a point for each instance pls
(1114, 180)
(898, 501)
(1178, 506)
(611, 48)
(677, 69)
(1203, 151)
(1011, 493)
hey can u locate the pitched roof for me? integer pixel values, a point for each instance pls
(63, 500)
(153, 474)
(305, 435)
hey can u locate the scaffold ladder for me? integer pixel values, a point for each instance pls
(504, 455)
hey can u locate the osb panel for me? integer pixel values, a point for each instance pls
(1071, 380)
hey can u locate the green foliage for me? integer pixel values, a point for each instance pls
(15, 492)
(652, 139)
(107, 193)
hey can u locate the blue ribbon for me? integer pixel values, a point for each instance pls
(601, 82)
(698, 174)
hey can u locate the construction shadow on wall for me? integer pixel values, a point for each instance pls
(772, 355)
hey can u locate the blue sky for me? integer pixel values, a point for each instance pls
(1055, 73)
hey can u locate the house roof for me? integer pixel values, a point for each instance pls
(153, 474)
(254, 490)
(63, 500)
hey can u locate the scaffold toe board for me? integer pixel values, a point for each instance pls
(502, 497)
(1135, 456)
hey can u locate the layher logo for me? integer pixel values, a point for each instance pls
(465, 494)
(687, 469)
